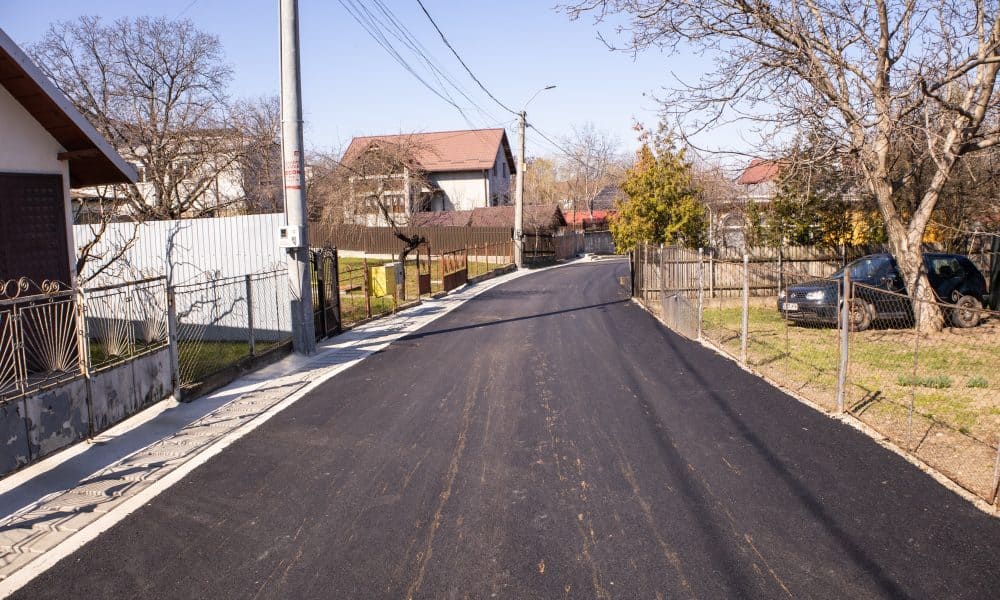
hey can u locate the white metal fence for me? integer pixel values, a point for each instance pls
(184, 251)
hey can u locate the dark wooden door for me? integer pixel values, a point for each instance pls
(33, 228)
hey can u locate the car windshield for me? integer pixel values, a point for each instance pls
(863, 269)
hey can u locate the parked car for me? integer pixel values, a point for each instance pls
(882, 295)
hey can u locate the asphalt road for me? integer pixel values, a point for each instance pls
(549, 439)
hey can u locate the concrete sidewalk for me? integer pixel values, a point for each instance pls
(57, 505)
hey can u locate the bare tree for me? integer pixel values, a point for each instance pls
(382, 184)
(542, 183)
(593, 160)
(156, 90)
(866, 76)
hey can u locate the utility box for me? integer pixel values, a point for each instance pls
(384, 279)
(290, 237)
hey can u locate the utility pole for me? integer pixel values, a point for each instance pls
(294, 183)
(519, 196)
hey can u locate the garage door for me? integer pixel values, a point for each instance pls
(33, 228)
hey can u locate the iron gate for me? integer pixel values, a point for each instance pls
(326, 292)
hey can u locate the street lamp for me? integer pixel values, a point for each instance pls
(519, 191)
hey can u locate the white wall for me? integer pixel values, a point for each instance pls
(25, 146)
(464, 190)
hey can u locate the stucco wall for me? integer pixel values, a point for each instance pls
(500, 180)
(464, 190)
(27, 147)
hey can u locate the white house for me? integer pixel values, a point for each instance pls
(463, 170)
(46, 147)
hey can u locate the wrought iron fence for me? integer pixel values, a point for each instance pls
(931, 387)
(40, 343)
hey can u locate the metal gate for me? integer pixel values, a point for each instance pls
(326, 292)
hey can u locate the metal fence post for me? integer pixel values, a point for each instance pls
(173, 341)
(367, 283)
(83, 352)
(845, 326)
(250, 336)
(701, 288)
(745, 324)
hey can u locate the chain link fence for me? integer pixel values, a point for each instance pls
(222, 322)
(924, 374)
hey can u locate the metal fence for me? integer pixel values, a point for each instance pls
(222, 322)
(933, 391)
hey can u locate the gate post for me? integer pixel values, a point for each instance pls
(845, 325)
(173, 339)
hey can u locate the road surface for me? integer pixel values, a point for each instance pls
(548, 439)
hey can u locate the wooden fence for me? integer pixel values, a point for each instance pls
(770, 268)
(382, 240)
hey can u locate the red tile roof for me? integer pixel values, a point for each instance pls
(582, 216)
(759, 171)
(466, 150)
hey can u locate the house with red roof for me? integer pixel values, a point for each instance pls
(459, 170)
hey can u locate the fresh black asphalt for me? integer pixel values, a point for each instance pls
(549, 439)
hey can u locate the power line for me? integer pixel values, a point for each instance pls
(467, 69)
(377, 27)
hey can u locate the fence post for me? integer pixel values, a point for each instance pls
(251, 342)
(845, 326)
(83, 352)
(368, 297)
(173, 342)
(745, 324)
(711, 273)
(996, 478)
(701, 288)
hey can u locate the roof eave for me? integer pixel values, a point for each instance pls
(93, 162)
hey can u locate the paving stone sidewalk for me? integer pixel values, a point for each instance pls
(57, 515)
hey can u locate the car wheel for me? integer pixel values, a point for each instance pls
(859, 314)
(966, 312)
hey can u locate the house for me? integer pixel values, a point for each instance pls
(46, 148)
(433, 172)
(757, 184)
(600, 209)
(220, 172)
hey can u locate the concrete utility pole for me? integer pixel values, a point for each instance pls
(522, 167)
(519, 195)
(294, 180)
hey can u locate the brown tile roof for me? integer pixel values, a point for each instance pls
(759, 171)
(536, 216)
(466, 150)
(441, 218)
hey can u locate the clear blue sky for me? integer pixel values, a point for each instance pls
(352, 87)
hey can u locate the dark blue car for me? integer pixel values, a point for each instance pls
(882, 293)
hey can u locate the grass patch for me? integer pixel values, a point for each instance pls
(977, 382)
(955, 367)
(938, 382)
